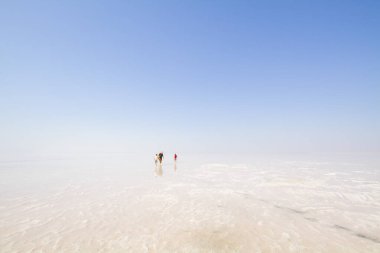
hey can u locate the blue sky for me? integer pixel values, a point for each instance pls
(209, 76)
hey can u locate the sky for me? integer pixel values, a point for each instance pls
(189, 76)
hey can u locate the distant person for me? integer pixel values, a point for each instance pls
(160, 157)
(155, 159)
(175, 157)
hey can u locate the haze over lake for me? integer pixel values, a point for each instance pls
(118, 202)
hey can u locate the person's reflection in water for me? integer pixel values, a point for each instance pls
(158, 170)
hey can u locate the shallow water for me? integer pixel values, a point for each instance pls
(119, 203)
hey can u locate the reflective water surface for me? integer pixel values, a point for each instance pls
(119, 203)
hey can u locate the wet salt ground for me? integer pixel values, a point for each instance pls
(263, 207)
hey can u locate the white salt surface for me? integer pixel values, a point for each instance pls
(121, 204)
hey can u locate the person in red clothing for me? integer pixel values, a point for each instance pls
(175, 157)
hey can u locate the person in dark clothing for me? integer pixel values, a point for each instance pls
(160, 157)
